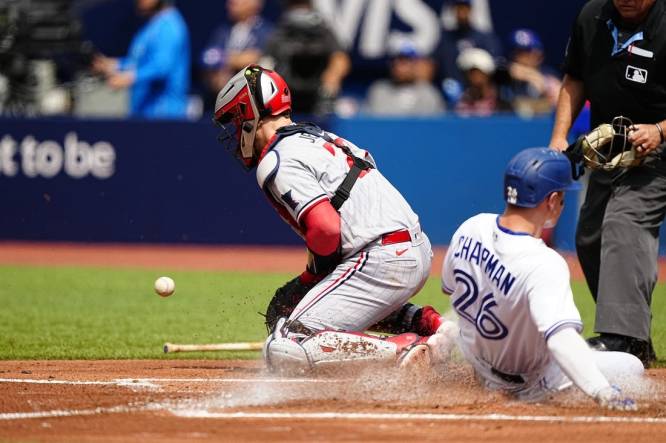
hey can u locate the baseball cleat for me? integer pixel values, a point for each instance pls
(415, 357)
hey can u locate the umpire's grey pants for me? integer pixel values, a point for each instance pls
(617, 242)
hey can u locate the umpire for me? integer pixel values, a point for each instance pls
(616, 59)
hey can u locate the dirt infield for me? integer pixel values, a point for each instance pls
(190, 400)
(163, 401)
(214, 258)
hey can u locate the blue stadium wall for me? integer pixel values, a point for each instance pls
(170, 182)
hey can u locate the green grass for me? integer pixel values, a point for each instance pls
(92, 313)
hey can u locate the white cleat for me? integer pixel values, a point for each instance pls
(417, 358)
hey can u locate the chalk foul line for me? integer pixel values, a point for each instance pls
(368, 416)
(411, 416)
(78, 412)
(150, 381)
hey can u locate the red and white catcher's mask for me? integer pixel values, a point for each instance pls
(249, 96)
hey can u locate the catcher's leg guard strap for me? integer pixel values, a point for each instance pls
(422, 320)
(400, 321)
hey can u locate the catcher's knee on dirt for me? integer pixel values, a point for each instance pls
(289, 349)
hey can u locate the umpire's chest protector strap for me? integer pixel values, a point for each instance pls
(359, 165)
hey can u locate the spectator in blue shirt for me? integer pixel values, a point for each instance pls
(157, 66)
(236, 45)
(455, 41)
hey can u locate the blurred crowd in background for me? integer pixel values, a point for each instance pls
(47, 67)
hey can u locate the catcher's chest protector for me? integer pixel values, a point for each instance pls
(359, 165)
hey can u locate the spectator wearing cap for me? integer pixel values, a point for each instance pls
(235, 45)
(406, 92)
(455, 41)
(534, 88)
(480, 96)
(157, 66)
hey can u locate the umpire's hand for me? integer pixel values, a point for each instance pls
(644, 138)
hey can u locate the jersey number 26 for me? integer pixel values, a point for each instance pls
(485, 321)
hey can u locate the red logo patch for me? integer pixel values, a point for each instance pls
(399, 253)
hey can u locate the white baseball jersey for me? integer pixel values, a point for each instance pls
(372, 280)
(511, 293)
(301, 170)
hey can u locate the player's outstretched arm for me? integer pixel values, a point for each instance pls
(576, 360)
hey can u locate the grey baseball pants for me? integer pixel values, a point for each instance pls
(617, 241)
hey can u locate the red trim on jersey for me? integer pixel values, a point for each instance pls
(330, 148)
(330, 286)
(340, 142)
(309, 207)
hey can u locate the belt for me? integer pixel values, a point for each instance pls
(511, 378)
(400, 236)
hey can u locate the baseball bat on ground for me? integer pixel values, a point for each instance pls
(243, 346)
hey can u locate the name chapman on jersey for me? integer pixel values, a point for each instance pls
(481, 256)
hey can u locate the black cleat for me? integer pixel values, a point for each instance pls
(622, 343)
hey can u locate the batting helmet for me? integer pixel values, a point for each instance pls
(533, 174)
(250, 95)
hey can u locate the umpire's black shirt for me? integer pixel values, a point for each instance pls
(623, 69)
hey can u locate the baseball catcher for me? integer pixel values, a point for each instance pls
(367, 253)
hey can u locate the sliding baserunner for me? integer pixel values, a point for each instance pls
(519, 326)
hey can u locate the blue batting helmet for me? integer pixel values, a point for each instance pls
(534, 173)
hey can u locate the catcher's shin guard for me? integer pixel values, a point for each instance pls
(284, 353)
(288, 351)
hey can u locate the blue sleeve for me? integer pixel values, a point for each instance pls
(162, 50)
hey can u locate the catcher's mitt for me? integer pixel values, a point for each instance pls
(285, 300)
(606, 147)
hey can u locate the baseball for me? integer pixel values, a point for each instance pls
(165, 286)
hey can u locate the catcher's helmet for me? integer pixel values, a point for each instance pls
(534, 173)
(249, 96)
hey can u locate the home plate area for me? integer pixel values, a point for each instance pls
(172, 400)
